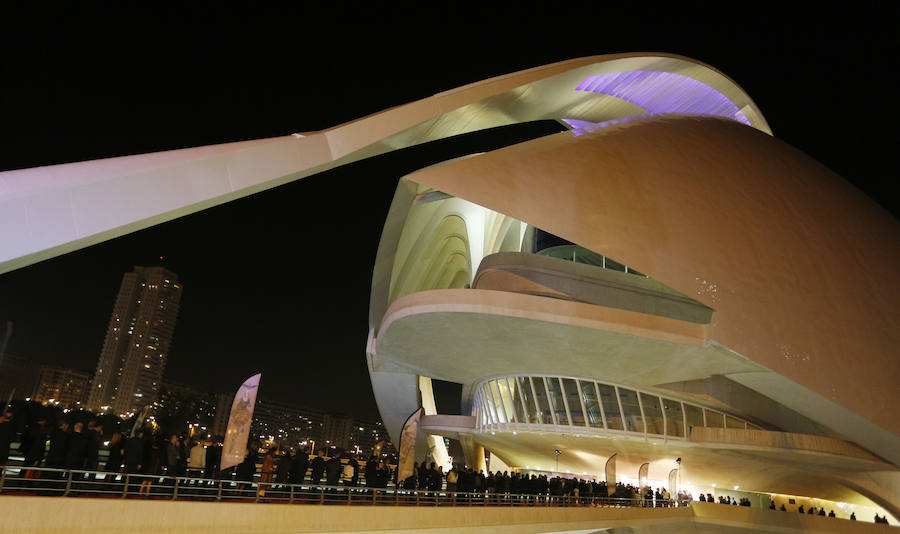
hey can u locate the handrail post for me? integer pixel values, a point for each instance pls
(321, 495)
(453, 499)
(349, 495)
(125, 488)
(291, 501)
(259, 488)
(175, 489)
(219, 491)
(68, 484)
(2, 477)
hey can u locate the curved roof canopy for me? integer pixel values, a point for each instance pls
(47, 211)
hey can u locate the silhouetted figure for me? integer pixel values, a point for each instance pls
(702, 498)
(151, 466)
(77, 451)
(852, 516)
(213, 459)
(318, 467)
(299, 466)
(812, 510)
(283, 470)
(822, 512)
(783, 509)
(59, 443)
(94, 437)
(771, 505)
(173, 455)
(800, 510)
(134, 453)
(333, 471)
(116, 449)
(831, 513)
(33, 447)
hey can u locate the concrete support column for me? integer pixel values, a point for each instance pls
(473, 452)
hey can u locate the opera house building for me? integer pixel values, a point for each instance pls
(664, 282)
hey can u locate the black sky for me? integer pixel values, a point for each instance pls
(274, 282)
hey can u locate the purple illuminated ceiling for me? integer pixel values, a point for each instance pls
(663, 92)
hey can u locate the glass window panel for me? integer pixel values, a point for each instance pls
(652, 414)
(507, 399)
(485, 416)
(490, 407)
(714, 419)
(574, 399)
(694, 415)
(633, 420)
(528, 397)
(556, 401)
(516, 391)
(674, 418)
(616, 266)
(545, 416)
(498, 403)
(610, 406)
(591, 404)
(733, 422)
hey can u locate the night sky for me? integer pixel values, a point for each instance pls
(275, 283)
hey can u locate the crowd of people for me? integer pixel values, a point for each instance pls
(724, 499)
(76, 445)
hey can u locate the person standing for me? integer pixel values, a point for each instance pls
(116, 448)
(151, 467)
(134, 453)
(34, 452)
(77, 451)
(333, 470)
(354, 478)
(213, 456)
(318, 467)
(452, 477)
(59, 443)
(94, 440)
(173, 455)
(299, 466)
(197, 459)
(283, 470)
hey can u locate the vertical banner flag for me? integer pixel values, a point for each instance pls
(611, 475)
(643, 476)
(407, 447)
(238, 432)
(673, 482)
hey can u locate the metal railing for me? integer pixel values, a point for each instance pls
(18, 480)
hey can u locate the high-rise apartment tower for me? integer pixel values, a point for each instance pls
(137, 342)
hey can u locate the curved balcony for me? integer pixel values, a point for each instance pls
(569, 404)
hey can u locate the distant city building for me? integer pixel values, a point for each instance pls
(61, 386)
(366, 435)
(186, 406)
(18, 378)
(137, 343)
(337, 431)
(287, 424)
